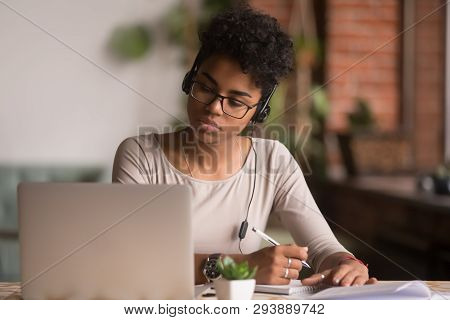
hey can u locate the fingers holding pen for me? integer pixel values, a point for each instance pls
(288, 256)
(294, 251)
(291, 251)
(278, 264)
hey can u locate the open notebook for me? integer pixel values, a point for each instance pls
(383, 291)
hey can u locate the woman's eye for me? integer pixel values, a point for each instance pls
(236, 103)
(205, 89)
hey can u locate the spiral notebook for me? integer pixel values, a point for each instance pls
(294, 288)
(398, 290)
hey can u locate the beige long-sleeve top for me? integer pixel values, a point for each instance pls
(220, 206)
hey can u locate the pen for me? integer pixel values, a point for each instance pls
(273, 242)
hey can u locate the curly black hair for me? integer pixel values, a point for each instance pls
(255, 40)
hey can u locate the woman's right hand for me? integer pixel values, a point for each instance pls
(273, 261)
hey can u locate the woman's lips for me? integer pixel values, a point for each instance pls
(208, 126)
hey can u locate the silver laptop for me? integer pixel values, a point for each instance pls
(105, 241)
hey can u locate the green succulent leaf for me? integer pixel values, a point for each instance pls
(252, 273)
(235, 271)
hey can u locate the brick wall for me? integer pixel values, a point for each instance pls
(355, 28)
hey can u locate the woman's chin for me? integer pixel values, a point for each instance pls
(207, 136)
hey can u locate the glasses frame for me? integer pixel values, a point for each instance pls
(221, 98)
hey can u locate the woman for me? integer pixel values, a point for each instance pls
(237, 181)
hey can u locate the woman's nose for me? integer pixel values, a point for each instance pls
(215, 106)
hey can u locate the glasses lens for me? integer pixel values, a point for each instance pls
(234, 108)
(202, 93)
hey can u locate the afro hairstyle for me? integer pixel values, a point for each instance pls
(252, 38)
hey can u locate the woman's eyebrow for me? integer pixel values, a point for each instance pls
(210, 78)
(233, 91)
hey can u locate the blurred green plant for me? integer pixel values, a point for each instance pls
(361, 119)
(307, 145)
(231, 270)
(131, 42)
(178, 17)
(174, 23)
(210, 8)
(315, 148)
(182, 24)
(320, 109)
(308, 49)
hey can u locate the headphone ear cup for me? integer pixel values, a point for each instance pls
(187, 82)
(263, 114)
(260, 116)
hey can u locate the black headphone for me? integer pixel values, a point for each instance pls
(263, 108)
(261, 114)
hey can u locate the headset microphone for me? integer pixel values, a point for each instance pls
(243, 229)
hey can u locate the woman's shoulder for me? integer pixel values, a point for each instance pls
(144, 143)
(273, 149)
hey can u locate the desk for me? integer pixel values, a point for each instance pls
(11, 290)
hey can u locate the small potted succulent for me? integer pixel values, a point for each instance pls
(237, 281)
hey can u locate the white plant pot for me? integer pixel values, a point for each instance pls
(234, 289)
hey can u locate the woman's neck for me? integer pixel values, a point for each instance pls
(220, 158)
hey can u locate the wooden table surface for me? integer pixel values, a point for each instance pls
(11, 291)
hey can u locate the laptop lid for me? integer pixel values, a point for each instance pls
(105, 241)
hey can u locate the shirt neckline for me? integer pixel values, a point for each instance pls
(236, 174)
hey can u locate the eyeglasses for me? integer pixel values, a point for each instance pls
(230, 106)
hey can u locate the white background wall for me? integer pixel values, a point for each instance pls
(57, 108)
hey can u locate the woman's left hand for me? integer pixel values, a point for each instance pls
(347, 273)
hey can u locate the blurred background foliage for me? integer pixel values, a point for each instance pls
(131, 42)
